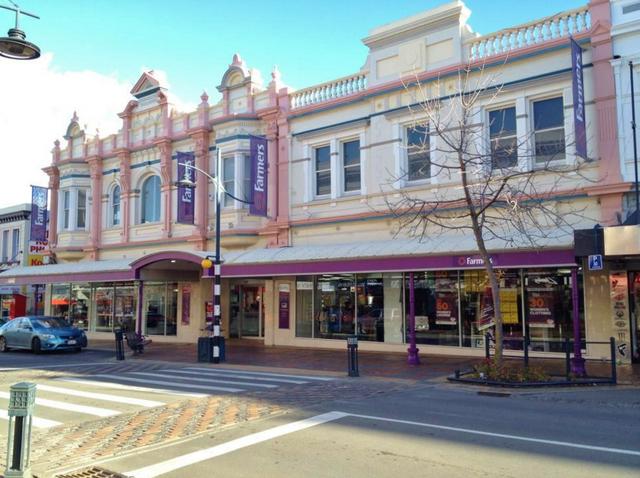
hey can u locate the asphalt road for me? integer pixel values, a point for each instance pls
(26, 359)
(438, 431)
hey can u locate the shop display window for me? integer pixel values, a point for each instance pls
(304, 306)
(79, 305)
(60, 297)
(104, 309)
(161, 302)
(334, 306)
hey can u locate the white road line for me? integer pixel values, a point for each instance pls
(37, 421)
(175, 376)
(120, 386)
(101, 396)
(218, 450)
(70, 407)
(37, 367)
(214, 372)
(619, 451)
(172, 384)
(283, 375)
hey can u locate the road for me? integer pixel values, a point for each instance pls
(149, 419)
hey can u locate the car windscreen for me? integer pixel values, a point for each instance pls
(50, 323)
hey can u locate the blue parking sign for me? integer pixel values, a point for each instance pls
(595, 262)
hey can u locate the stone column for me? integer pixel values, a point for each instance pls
(124, 156)
(167, 182)
(95, 168)
(201, 151)
(54, 187)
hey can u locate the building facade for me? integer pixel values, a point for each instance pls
(329, 260)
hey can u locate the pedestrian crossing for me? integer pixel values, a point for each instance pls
(74, 398)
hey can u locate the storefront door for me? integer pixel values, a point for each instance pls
(247, 315)
(634, 316)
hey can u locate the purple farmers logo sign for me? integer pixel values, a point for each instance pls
(578, 100)
(39, 213)
(186, 196)
(259, 186)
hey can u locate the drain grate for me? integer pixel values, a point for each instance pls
(92, 472)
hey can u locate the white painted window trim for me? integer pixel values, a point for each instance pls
(238, 159)
(405, 153)
(314, 175)
(569, 153)
(341, 167)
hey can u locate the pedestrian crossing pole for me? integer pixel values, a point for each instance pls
(216, 262)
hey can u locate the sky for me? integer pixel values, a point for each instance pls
(93, 51)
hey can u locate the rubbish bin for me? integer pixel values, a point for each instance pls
(205, 349)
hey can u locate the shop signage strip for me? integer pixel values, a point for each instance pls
(186, 196)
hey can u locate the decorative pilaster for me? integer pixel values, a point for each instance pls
(54, 187)
(201, 152)
(95, 169)
(124, 157)
(164, 145)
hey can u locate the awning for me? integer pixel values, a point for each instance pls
(83, 271)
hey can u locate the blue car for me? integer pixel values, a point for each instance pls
(40, 334)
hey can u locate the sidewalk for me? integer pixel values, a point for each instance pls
(371, 364)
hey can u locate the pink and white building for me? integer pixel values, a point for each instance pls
(325, 263)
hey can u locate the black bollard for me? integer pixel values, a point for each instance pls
(119, 344)
(352, 355)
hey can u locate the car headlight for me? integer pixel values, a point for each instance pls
(48, 336)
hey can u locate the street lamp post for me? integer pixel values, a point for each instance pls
(14, 45)
(207, 263)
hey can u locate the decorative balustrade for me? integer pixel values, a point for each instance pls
(330, 90)
(551, 28)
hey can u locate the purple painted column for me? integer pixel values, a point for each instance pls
(577, 362)
(412, 358)
(140, 303)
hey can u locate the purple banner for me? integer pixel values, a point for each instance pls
(283, 308)
(39, 213)
(259, 185)
(578, 100)
(186, 196)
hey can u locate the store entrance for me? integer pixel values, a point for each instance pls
(634, 315)
(247, 310)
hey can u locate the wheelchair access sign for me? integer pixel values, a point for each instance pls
(595, 262)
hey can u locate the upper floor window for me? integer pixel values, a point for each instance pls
(418, 153)
(15, 245)
(115, 206)
(351, 165)
(81, 212)
(151, 200)
(66, 208)
(246, 181)
(548, 124)
(5, 246)
(502, 133)
(322, 162)
(228, 179)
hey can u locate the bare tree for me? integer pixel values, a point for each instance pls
(486, 179)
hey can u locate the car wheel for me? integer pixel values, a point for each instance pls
(3, 345)
(36, 345)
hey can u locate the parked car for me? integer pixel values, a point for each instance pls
(40, 333)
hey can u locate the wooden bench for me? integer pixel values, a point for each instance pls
(136, 342)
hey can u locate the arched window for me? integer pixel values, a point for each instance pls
(115, 206)
(151, 200)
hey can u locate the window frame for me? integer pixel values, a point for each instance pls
(157, 203)
(502, 136)
(226, 200)
(315, 171)
(5, 245)
(15, 243)
(343, 167)
(532, 103)
(81, 209)
(66, 209)
(112, 206)
(407, 155)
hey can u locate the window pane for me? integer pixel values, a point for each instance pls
(65, 216)
(323, 183)
(504, 153)
(418, 137)
(419, 166)
(550, 145)
(80, 302)
(352, 179)
(155, 308)
(115, 204)
(351, 150)
(82, 209)
(104, 309)
(60, 300)
(228, 169)
(418, 154)
(333, 308)
(151, 200)
(323, 158)
(125, 307)
(246, 183)
(304, 306)
(5, 246)
(370, 320)
(15, 248)
(502, 122)
(548, 114)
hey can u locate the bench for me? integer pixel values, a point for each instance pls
(136, 342)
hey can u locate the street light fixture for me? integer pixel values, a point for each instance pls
(14, 46)
(186, 181)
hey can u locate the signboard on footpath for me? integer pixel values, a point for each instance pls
(619, 288)
(36, 256)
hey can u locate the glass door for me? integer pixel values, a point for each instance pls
(246, 313)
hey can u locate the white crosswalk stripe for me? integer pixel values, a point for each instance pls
(241, 375)
(169, 383)
(37, 421)
(263, 374)
(176, 375)
(101, 396)
(70, 407)
(120, 386)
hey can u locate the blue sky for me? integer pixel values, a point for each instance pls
(93, 52)
(193, 41)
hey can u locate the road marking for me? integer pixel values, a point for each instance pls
(218, 450)
(238, 375)
(101, 396)
(620, 451)
(70, 407)
(173, 384)
(120, 386)
(198, 379)
(37, 421)
(230, 371)
(37, 367)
